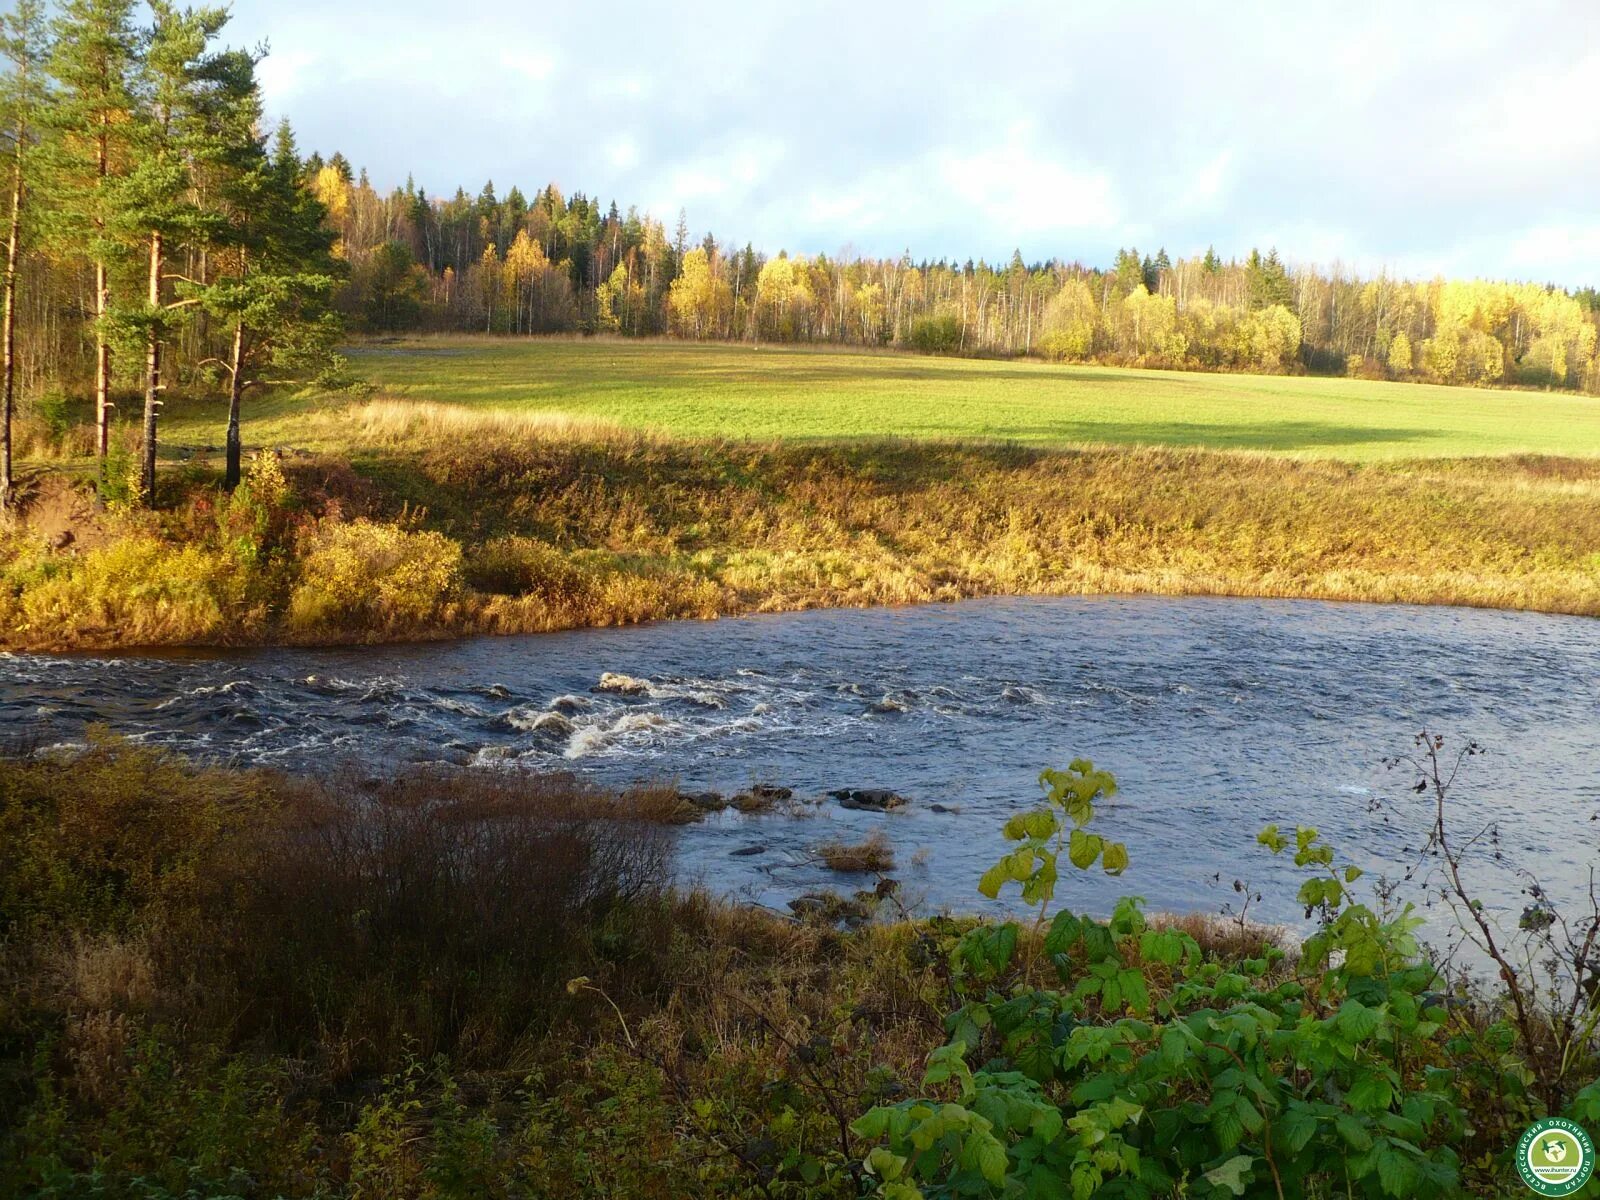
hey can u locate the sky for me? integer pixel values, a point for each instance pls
(1450, 137)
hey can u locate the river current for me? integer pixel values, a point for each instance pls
(1216, 715)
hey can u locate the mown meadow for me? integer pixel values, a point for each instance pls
(765, 393)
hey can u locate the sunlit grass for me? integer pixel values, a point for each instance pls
(696, 391)
(513, 487)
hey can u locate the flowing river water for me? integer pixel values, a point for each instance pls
(1217, 716)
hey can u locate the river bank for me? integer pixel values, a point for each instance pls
(443, 523)
(244, 984)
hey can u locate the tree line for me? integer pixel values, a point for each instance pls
(155, 233)
(157, 236)
(558, 263)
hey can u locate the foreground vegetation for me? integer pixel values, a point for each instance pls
(458, 985)
(395, 519)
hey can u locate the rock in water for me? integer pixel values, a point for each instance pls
(868, 799)
(554, 724)
(624, 685)
(705, 801)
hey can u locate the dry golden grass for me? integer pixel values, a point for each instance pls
(386, 422)
(470, 529)
(871, 854)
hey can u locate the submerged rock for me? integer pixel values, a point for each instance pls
(704, 801)
(869, 799)
(624, 685)
(747, 851)
(554, 724)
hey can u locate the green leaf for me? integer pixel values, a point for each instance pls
(1396, 1171)
(1174, 1048)
(1163, 947)
(1297, 1126)
(1083, 848)
(1000, 945)
(991, 1156)
(1041, 823)
(1135, 994)
(1358, 1022)
(1047, 1124)
(1065, 929)
(992, 879)
(885, 1164)
(1271, 839)
(1371, 1092)
(1225, 1122)
(1114, 858)
(871, 1125)
(1235, 1174)
(1353, 1132)
(1035, 1058)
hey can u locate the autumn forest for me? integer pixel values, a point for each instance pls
(161, 237)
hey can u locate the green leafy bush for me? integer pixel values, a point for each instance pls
(1145, 1068)
(937, 335)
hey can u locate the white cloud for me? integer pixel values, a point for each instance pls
(530, 64)
(281, 74)
(1022, 188)
(1367, 134)
(624, 153)
(1552, 251)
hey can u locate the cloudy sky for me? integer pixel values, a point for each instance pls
(1452, 136)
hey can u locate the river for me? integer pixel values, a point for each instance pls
(1216, 715)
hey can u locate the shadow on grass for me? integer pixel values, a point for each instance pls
(1268, 435)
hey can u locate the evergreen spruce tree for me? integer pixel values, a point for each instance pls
(96, 51)
(275, 285)
(189, 127)
(23, 44)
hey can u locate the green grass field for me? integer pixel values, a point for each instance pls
(784, 479)
(769, 393)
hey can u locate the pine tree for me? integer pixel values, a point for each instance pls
(95, 53)
(276, 285)
(22, 42)
(191, 125)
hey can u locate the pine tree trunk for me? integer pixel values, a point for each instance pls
(102, 305)
(152, 377)
(235, 389)
(8, 383)
(102, 363)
